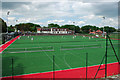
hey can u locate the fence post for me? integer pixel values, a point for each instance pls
(86, 64)
(53, 67)
(106, 55)
(12, 69)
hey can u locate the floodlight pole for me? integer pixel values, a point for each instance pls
(7, 19)
(74, 27)
(7, 23)
(15, 24)
(103, 24)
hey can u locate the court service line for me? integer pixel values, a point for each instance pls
(51, 59)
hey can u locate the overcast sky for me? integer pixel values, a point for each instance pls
(61, 12)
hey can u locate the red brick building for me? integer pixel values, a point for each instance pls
(96, 32)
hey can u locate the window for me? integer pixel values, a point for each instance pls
(57, 29)
(65, 29)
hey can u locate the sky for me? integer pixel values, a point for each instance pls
(77, 12)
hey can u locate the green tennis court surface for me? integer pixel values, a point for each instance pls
(36, 56)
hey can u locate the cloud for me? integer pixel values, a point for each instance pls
(81, 8)
(92, 16)
(61, 0)
(11, 18)
(55, 21)
(111, 22)
(80, 22)
(61, 12)
(109, 9)
(34, 0)
(13, 5)
(22, 20)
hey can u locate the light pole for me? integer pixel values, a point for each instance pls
(15, 26)
(7, 19)
(103, 24)
(74, 27)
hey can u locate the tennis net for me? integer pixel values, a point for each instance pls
(30, 49)
(72, 47)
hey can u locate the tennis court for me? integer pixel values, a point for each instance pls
(36, 56)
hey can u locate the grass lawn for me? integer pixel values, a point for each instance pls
(36, 56)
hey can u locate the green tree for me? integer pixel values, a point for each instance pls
(77, 29)
(27, 27)
(118, 30)
(3, 25)
(101, 28)
(53, 25)
(33, 29)
(109, 29)
(44, 26)
(87, 28)
(72, 27)
(11, 28)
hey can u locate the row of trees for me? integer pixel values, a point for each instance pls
(22, 27)
(33, 27)
(85, 29)
(27, 27)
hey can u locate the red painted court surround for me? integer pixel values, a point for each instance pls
(3, 47)
(112, 69)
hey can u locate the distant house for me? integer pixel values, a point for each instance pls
(54, 31)
(99, 32)
(90, 32)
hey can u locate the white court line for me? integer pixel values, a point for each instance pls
(52, 60)
(66, 62)
(64, 59)
(79, 53)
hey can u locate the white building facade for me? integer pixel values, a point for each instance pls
(54, 31)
